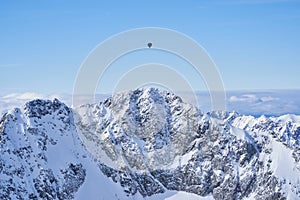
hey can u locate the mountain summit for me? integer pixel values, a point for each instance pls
(146, 143)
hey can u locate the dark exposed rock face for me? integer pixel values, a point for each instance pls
(148, 141)
(132, 183)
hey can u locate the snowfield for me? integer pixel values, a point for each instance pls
(146, 144)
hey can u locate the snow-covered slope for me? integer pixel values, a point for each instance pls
(148, 144)
(43, 158)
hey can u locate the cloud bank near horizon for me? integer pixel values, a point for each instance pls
(272, 102)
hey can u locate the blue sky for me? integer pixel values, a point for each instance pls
(255, 44)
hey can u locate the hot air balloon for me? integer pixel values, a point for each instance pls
(149, 44)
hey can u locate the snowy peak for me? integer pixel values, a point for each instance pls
(145, 143)
(30, 164)
(285, 128)
(155, 135)
(42, 156)
(146, 128)
(40, 108)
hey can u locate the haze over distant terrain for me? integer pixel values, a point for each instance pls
(251, 102)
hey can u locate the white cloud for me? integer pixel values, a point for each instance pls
(22, 96)
(250, 98)
(269, 98)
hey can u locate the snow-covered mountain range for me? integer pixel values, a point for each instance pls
(146, 143)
